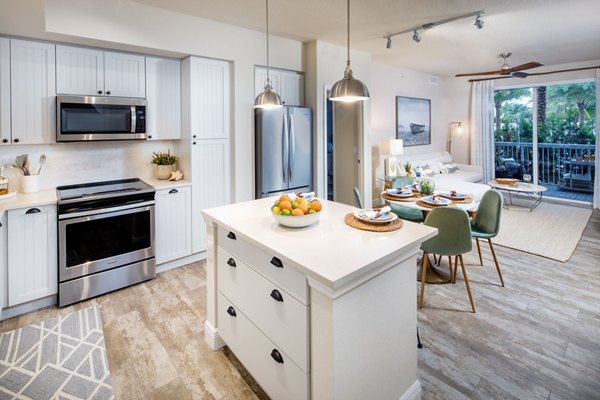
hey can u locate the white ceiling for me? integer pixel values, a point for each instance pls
(549, 31)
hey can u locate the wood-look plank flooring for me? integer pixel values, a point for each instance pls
(537, 338)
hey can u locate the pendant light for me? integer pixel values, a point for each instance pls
(268, 98)
(348, 89)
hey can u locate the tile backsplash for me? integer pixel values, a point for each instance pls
(71, 163)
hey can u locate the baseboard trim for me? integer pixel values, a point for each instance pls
(413, 392)
(180, 262)
(33, 305)
(211, 336)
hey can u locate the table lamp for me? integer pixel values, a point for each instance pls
(391, 147)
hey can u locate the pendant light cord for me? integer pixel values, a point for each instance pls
(348, 36)
(268, 75)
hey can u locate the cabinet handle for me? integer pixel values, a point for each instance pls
(194, 136)
(231, 262)
(108, 92)
(193, 143)
(276, 262)
(149, 136)
(4, 140)
(0, 224)
(33, 211)
(16, 140)
(99, 91)
(231, 311)
(173, 191)
(231, 235)
(276, 295)
(277, 356)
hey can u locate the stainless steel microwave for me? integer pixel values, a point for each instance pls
(83, 118)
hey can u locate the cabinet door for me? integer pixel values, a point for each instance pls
(3, 272)
(163, 98)
(292, 88)
(124, 75)
(211, 187)
(4, 91)
(173, 224)
(33, 92)
(79, 71)
(210, 98)
(32, 264)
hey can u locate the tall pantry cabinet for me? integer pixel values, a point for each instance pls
(205, 145)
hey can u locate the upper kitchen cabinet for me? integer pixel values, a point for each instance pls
(163, 98)
(91, 72)
(289, 85)
(33, 92)
(206, 96)
(4, 91)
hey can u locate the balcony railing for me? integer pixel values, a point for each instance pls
(569, 166)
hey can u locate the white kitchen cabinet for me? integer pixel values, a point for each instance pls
(79, 71)
(163, 98)
(92, 72)
(4, 91)
(173, 224)
(33, 92)
(3, 271)
(32, 259)
(289, 85)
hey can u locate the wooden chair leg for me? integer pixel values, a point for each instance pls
(464, 271)
(496, 261)
(479, 251)
(424, 267)
(455, 268)
(451, 269)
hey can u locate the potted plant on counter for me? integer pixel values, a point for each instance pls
(164, 164)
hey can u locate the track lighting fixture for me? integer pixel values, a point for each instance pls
(415, 31)
(416, 37)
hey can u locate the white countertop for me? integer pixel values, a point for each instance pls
(165, 184)
(329, 251)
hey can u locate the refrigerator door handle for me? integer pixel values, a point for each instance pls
(292, 147)
(285, 147)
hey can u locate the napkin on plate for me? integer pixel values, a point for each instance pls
(398, 191)
(376, 214)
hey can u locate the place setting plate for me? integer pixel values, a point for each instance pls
(401, 195)
(441, 201)
(388, 218)
(454, 196)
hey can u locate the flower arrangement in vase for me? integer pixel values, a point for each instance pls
(164, 164)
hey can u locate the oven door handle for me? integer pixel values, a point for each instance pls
(105, 210)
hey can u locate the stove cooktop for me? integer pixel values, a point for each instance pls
(100, 190)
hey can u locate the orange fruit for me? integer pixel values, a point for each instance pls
(284, 197)
(296, 212)
(316, 205)
(304, 208)
(285, 205)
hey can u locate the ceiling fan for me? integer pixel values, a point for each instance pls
(507, 70)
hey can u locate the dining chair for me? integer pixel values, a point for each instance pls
(357, 197)
(486, 224)
(409, 214)
(453, 240)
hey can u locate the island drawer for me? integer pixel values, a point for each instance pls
(272, 267)
(270, 366)
(277, 314)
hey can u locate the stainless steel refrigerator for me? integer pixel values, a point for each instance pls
(283, 143)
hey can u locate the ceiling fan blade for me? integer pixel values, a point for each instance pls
(481, 73)
(529, 65)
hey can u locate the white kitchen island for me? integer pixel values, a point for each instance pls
(322, 312)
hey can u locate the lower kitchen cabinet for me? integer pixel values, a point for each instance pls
(32, 259)
(173, 227)
(3, 294)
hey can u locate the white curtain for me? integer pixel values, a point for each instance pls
(597, 175)
(482, 127)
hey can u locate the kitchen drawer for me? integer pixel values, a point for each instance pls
(272, 267)
(281, 380)
(277, 314)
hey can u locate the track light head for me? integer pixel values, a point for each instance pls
(479, 22)
(416, 36)
(389, 43)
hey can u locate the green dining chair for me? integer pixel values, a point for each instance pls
(357, 197)
(453, 239)
(409, 214)
(486, 224)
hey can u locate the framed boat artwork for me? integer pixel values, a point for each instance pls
(413, 120)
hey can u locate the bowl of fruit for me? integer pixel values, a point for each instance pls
(295, 211)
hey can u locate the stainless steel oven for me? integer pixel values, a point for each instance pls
(105, 238)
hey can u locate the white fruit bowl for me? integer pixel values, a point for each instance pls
(297, 222)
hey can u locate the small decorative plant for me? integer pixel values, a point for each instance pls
(164, 158)
(427, 187)
(408, 169)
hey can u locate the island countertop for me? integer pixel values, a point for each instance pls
(329, 251)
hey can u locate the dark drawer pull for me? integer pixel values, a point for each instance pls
(231, 311)
(33, 211)
(276, 262)
(277, 356)
(276, 295)
(231, 262)
(173, 191)
(231, 235)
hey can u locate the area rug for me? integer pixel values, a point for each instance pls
(59, 358)
(551, 230)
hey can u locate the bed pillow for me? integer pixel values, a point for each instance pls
(427, 170)
(448, 168)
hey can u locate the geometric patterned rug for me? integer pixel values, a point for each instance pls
(60, 358)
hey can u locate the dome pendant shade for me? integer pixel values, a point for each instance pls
(349, 89)
(267, 99)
